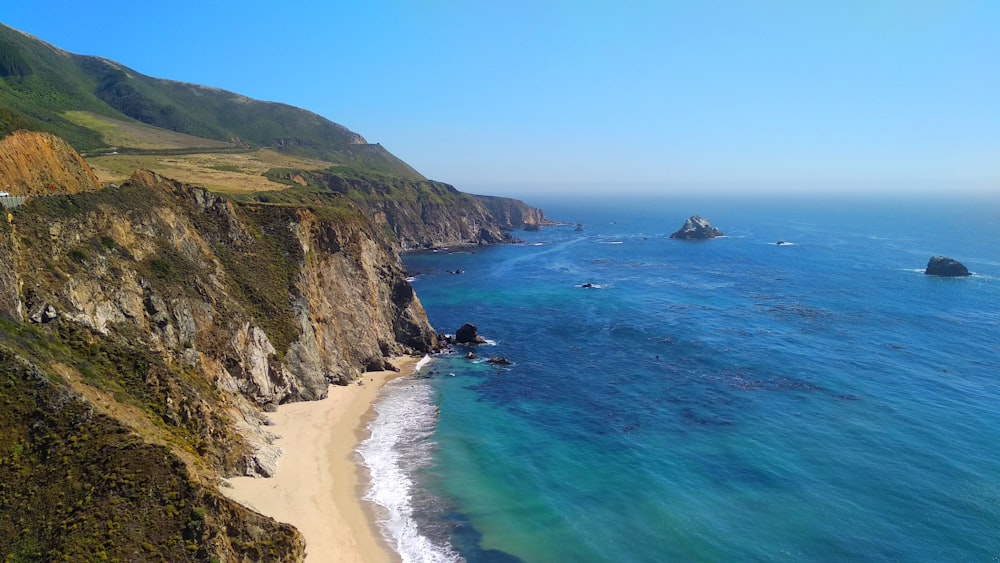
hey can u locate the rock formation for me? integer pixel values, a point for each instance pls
(696, 228)
(513, 214)
(171, 317)
(946, 267)
(468, 334)
(418, 214)
(33, 163)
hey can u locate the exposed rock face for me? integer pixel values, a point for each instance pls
(31, 162)
(468, 334)
(696, 228)
(267, 283)
(946, 267)
(204, 312)
(513, 213)
(420, 214)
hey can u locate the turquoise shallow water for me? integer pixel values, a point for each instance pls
(716, 401)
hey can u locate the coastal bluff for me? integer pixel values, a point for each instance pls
(146, 329)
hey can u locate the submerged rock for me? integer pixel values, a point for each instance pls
(468, 334)
(946, 267)
(696, 228)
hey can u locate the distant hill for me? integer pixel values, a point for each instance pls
(45, 88)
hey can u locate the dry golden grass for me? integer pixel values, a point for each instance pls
(223, 172)
(136, 135)
(231, 172)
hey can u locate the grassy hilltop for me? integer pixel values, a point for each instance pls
(83, 99)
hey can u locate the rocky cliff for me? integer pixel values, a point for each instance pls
(34, 163)
(419, 214)
(176, 316)
(513, 213)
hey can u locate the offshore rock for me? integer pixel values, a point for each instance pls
(696, 228)
(945, 267)
(468, 334)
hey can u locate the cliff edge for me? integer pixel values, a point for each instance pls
(34, 163)
(145, 328)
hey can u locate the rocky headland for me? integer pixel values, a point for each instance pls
(418, 214)
(513, 214)
(146, 328)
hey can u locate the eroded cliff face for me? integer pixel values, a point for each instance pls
(419, 214)
(40, 163)
(193, 314)
(513, 213)
(269, 303)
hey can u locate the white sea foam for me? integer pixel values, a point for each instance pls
(422, 363)
(405, 418)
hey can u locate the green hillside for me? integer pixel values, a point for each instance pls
(40, 83)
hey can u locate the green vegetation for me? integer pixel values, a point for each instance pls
(263, 269)
(10, 122)
(365, 186)
(47, 90)
(78, 486)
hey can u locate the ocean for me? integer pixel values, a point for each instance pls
(726, 400)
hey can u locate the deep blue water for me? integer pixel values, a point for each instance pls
(710, 401)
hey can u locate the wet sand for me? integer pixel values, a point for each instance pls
(317, 484)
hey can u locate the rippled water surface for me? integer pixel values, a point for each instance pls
(716, 401)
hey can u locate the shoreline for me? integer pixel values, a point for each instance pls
(318, 484)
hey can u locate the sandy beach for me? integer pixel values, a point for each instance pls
(316, 487)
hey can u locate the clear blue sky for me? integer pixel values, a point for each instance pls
(861, 94)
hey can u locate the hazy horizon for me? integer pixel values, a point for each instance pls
(779, 97)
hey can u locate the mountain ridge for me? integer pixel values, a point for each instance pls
(38, 82)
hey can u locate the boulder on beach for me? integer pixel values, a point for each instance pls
(696, 228)
(946, 267)
(468, 334)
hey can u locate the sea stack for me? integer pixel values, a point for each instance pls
(945, 267)
(468, 334)
(696, 228)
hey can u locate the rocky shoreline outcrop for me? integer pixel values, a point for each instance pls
(468, 334)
